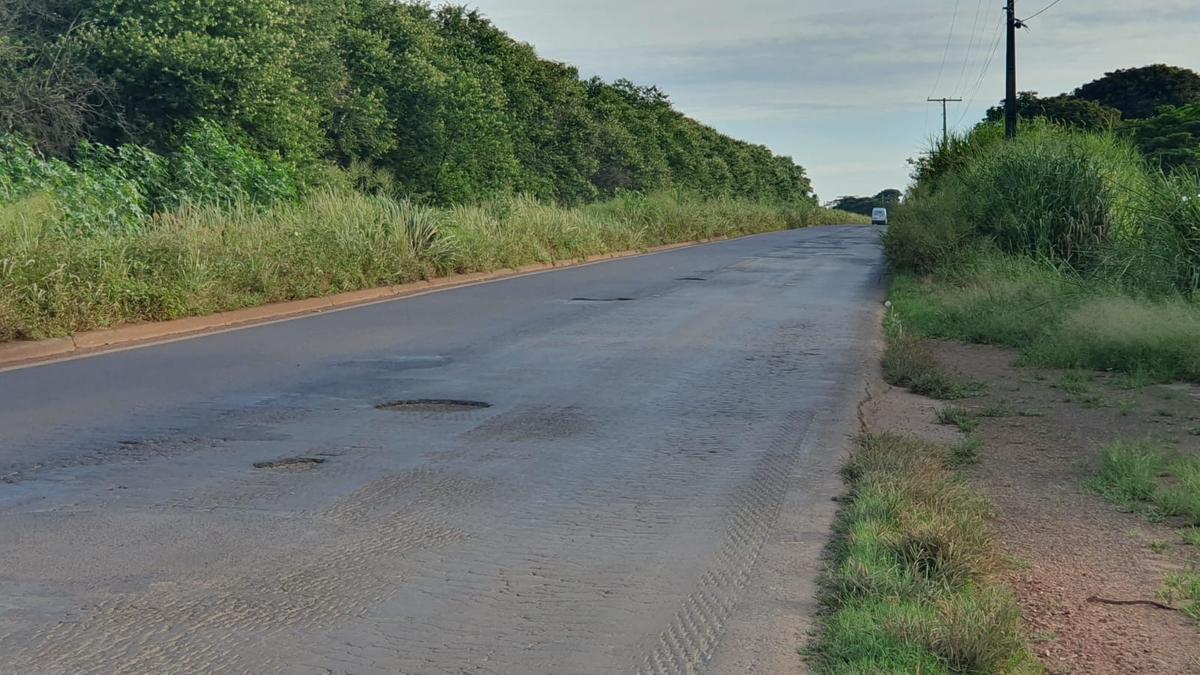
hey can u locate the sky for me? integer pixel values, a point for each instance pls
(841, 86)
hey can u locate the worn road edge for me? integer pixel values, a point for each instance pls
(20, 354)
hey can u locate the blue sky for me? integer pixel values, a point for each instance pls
(841, 86)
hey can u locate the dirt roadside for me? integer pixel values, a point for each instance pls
(1072, 553)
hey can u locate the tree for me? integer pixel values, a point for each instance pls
(240, 62)
(1139, 92)
(47, 94)
(437, 103)
(887, 199)
(1170, 139)
(1064, 109)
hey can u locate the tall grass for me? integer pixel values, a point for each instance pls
(1062, 243)
(1085, 202)
(200, 259)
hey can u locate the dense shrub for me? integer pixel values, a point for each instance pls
(112, 189)
(1062, 243)
(1085, 202)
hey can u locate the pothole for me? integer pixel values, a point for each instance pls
(291, 464)
(433, 405)
(601, 299)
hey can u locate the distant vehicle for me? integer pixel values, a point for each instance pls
(879, 216)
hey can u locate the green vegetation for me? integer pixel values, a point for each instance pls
(161, 159)
(1063, 109)
(1157, 107)
(908, 363)
(203, 259)
(959, 417)
(1062, 243)
(910, 587)
(1183, 588)
(965, 452)
(887, 199)
(1142, 475)
(1170, 139)
(451, 107)
(1139, 92)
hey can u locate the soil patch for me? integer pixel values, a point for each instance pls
(1074, 553)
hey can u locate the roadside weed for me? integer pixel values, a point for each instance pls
(1075, 383)
(1142, 475)
(1191, 536)
(1128, 472)
(959, 417)
(965, 452)
(908, 363)
(1183, 589)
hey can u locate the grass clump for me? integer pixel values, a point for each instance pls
(959, 417)
(965, 452)
(1160, 339)
(1128, 472)
(1055, 323)
(908, 363)
(910, 583)
(1142, 475)
(1183, 589)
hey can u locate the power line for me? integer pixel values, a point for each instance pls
(996, 40)
(967, 58)
(1042, 11)
(946, 52)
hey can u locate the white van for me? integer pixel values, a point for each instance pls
(879, 216)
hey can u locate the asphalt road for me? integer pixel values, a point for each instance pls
(648, 490)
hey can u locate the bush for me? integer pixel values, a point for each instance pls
(119, 189)
(928, 233)
(1053, 192)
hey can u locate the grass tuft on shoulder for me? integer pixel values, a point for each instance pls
(911, 583)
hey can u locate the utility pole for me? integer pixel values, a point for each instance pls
(945, 128)
(1010, 97)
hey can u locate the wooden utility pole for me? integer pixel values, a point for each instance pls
(1010, 97)
(945, 126)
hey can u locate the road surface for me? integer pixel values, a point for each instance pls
(647, 489)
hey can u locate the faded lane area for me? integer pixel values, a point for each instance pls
(583, 471)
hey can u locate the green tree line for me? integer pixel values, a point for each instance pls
(438, 101)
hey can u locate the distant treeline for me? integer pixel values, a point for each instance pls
(440, 101)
